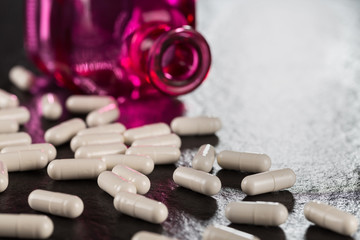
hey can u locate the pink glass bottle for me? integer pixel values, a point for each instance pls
(125, 48)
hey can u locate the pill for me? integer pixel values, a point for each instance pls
(141, 182)
(19, 114)
(256, 213)
(51, 107)
(24, 160)
(143, 164)
(60, 204)
(64, 131)
(33, 226)
(329, 217)
(97, 151)
(112, 183)
(8, 126)
(144, 235)
(162, 140)
(204, 158)
(11, 139)
(67, 169)
(108, 128)
(4, 178)
(103, 116)
(197, 181)
(87, 103)
(8, 100)
(186, 126)
(226, 233)
(159, 154)
(141, 207)
(95, 139)
(47, 148)
(21, 77)
(270, 181)
(150, 130)
(242, 161)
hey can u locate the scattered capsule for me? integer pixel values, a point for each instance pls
(33, 226)
(24, 160)
(68, 169)
(60, 204)
(197, 181)
(226, 233)
(97, 151)
(204, 158)
(144, 235)
(150, 130)
(270, 181)
(113, 183)
(186, 126)
(108, 128)
(95, 139)
(8, 126)
(256, 213)
(242, 161)
(159, 154)
(163, 140)
(138, 206)
(143, 164)
(141, 182)
(87, 103)
(11, 139)
(63, 132)
(329, 217)
(48, 148)
(4, 178)
(19, 114)
(8, 100)
(103, 116)
(51, 107)
(21, 77)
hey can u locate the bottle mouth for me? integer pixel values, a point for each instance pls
(179, 61)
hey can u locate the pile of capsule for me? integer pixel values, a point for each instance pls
(100, 151)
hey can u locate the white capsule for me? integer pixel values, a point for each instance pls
(97, 151)
(141, 182)
(242, 161)
(95, 139)
(138, 206)
(60, 204)
(270, 181)
(186, 126)
(63, 132)
(4, 178)
(21, 77)
(197, 181)
(162, 140)
(329, 217)
(226, 233)
(204, 158)
(256, 213)
(113, 183)
(34, 226)
(50, 106)
(68, 169)
(144, 235)
(48, 148)
(102, 116)
(11, 139)
(19, 114)
(108, 128)
(8, 126)
(8, 100)
(87, 103)
(159, 154)
(150, 130)
(143, 164)
(24, 160)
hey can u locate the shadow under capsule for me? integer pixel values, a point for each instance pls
(314, 232)
(196, 141)
(262, 232)
(284, 197)
(231, 178)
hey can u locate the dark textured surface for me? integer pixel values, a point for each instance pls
(285, 81)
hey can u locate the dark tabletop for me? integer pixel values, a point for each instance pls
(284, 81)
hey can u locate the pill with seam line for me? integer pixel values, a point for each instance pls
(8, 126)
(141, 182)
(95, 139)
(87, 103)
(204, 159)
(187, 126)
(64, 131)
(104, 115)
(108, 128)
(48, 148)
(113, 183)
(149, 130)
(144, 235)
(4, 177)
(143, 164)
(8, 100)
(50, 106)
(19, 114)
(159, 154)
(161, 140)
(21, 77)
(25, 160)
(226, 233)
(98, 151)
(12, 139)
